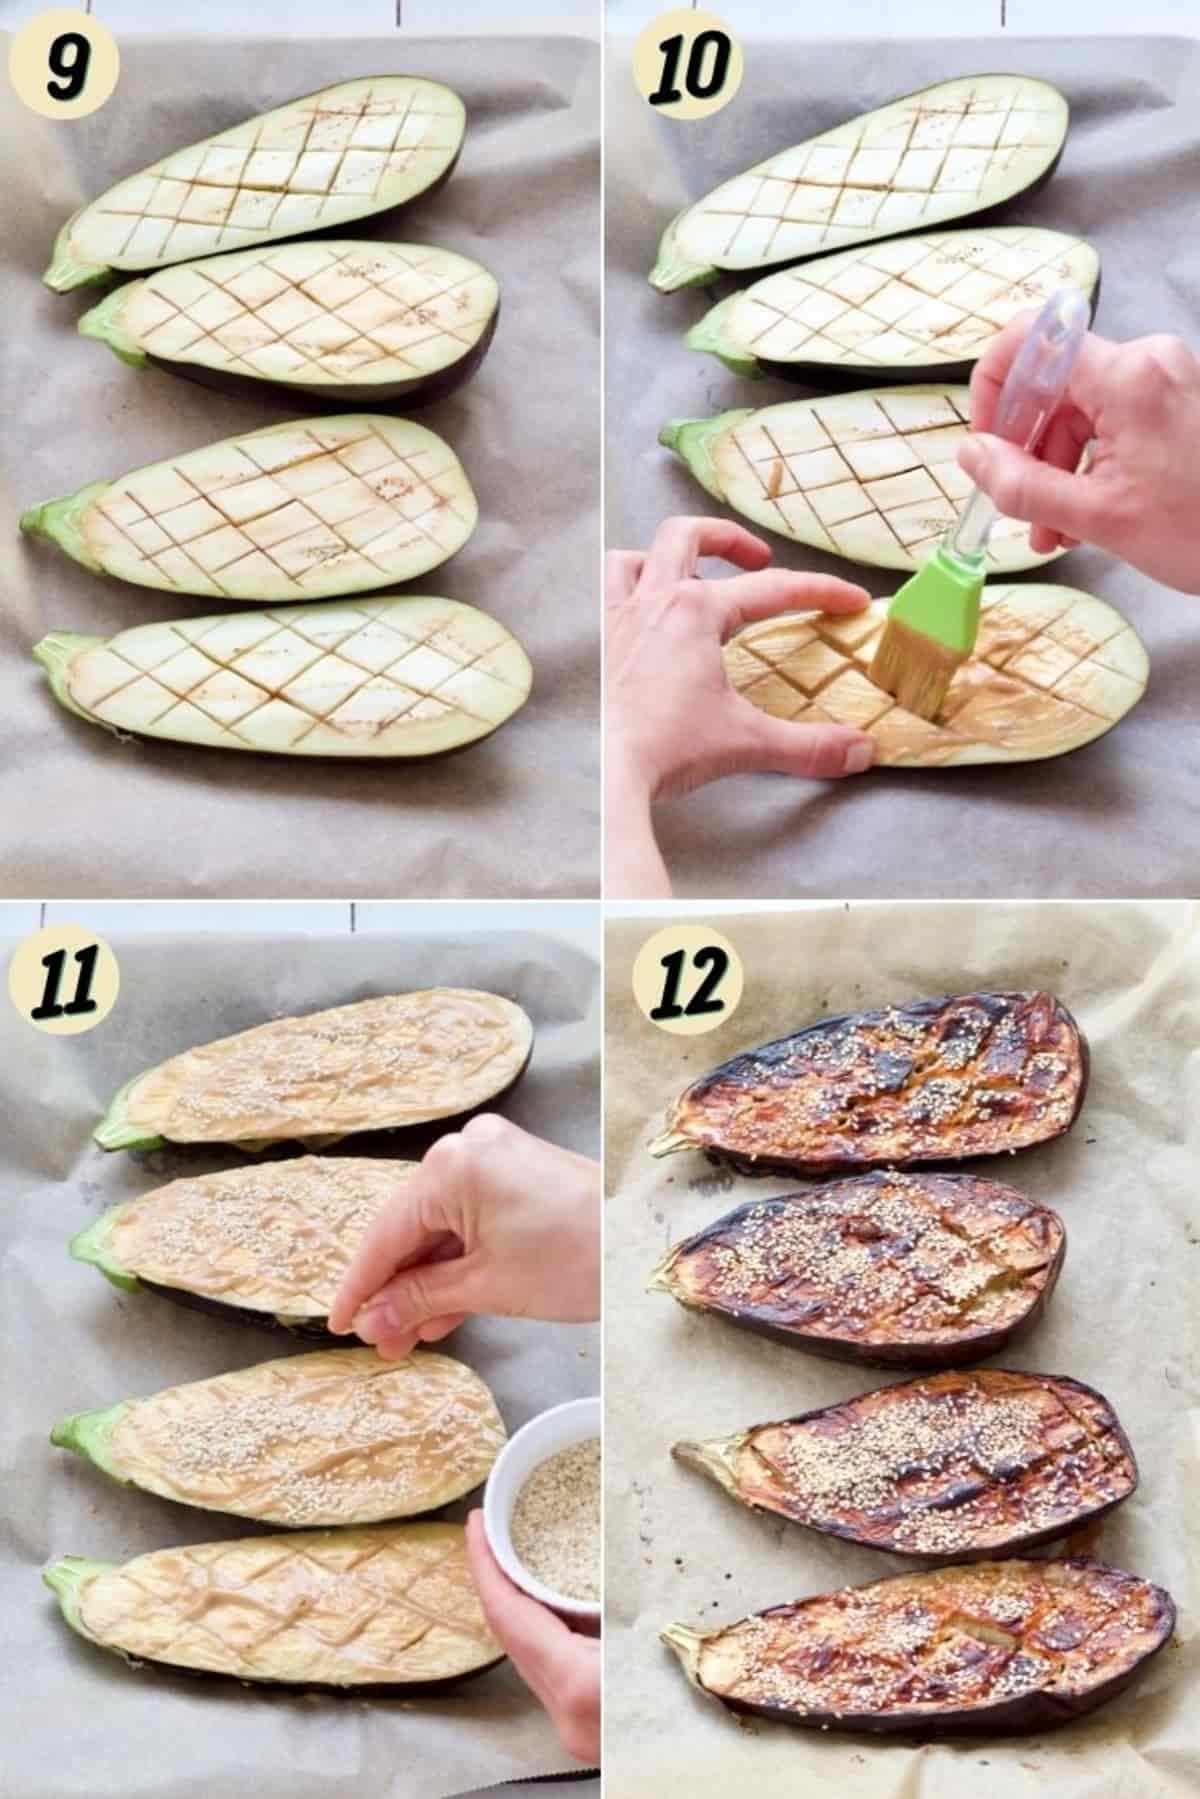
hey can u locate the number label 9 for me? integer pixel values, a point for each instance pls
(63, 63)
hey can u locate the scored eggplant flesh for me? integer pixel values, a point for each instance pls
(897, 1270)
(872, 475)
(401, 677)
(302, 511)
(1052, 669)
(946, 152)
(933, 1080)
(346, 152)
(336, 320)
(951, 1467)
(269, 1243)
(337, 1436)
(377, 1609)
(996, 1647)
(377, 1064)
(896, 310)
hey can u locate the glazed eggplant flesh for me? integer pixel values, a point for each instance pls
(340, 321)
(952, 1467)
(302, 511)
(1000, 1648)
(872, 475)
(269, 1244)
(338, 1436)
(935, 1080)
(1052, 669)
(377, 1064)
(388, 1609)
(346, 152)
(890, 1269)
(900, 310)
(403, 677)
(947, 152)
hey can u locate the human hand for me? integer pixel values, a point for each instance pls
(494, 1220)
(1138, 404)
(675, 721)
(561, 1667)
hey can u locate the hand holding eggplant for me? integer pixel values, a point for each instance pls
(1138, 405)
(675, 720)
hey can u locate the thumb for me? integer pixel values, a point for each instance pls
(416, 1297)
(818, 750)
(1024, 488)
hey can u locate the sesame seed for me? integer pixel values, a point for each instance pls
(555, 1524)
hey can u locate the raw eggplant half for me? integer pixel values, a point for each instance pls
(895, 1270)
(301, 511)
(872, 476)
(935, 1080)
(947, 152)
(376, 1065)
(1052, 669)
(998, 1648)
(408, 677)
(342, 322)
(378, 1610)
(267, 1244)
(898, 311)
(338, 1436)
(948, 1468)
(346, 152)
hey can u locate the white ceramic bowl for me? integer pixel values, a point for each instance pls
(533, 1444)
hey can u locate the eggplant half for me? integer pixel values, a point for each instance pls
(338, 1436)
(1052, 669)
(903, 310)
(378, 1064)
(995, 1648)
(302, 511)
(953, 151)
(955, 1467)
(895, 1270)
(936, 1080)
(267, 1244)
(402, 677)
(340, 322)
(381, 1610)
(346, 152)
(872, 476)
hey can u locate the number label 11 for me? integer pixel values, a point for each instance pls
(64, 979)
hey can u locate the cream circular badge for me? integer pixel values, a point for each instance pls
(687, 978)
(63, 63)
(64, 979)
(687, 64)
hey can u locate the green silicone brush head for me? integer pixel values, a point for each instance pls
(931, 630)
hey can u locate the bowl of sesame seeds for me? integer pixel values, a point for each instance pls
(541, 1509)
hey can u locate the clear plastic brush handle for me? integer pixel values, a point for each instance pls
(1032, 392)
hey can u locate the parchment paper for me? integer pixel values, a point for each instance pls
(74, 1721)
(1123, 1319)
(80, 812)
(1118, 818)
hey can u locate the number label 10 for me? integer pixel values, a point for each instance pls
(687, 64)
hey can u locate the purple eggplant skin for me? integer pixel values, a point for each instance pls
(392, 1689)
(311, 1328)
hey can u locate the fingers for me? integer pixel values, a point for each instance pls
(396, 1236)
(533, 1636)
(822, 752)
(1024, 488)
(622, 571)
(416, 1300)
(680, 542)
(743, 598)
(1089, 379)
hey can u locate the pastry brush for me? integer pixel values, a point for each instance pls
(933, 621)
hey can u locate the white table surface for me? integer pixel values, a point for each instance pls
(928, 18)
(331, 18)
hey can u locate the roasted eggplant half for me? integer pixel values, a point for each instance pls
(267, 1244)
(955, 1467)
(959, 149)
(933, 1080)
(872, 476)
(903, 310)
(388, 1609)
(894, 1270)
(302, 511)
(401, 677)
(338, 1436)
(1052, 669)
(340, 322)
(995, 1648)
(378, 1064)
(346, 152)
